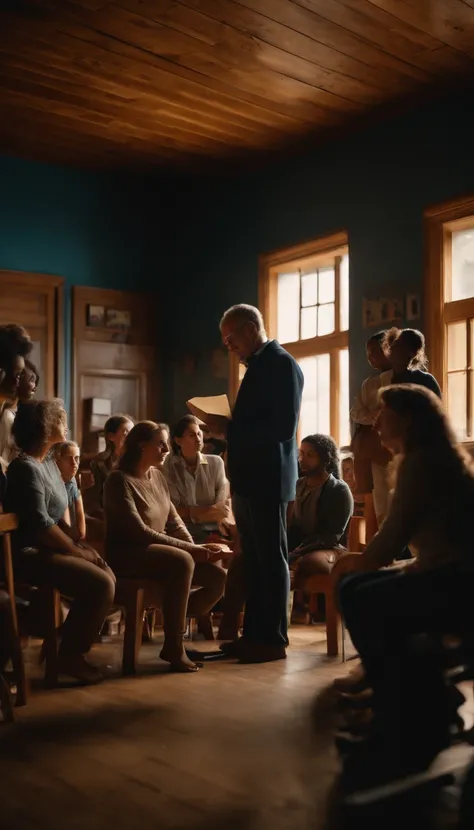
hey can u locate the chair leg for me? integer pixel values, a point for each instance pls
(204, 626)
(6, 701)
(51, 640)
(148, 625)
(18, 665)
(132, 639)
(333, 624)
(313, 605)
(16, 650)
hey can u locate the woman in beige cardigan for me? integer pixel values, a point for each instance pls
(146, 538)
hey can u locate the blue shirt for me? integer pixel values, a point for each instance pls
(36, 493)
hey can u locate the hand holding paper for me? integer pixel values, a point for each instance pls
(213, 411)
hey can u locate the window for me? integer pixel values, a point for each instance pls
(450, 305)
(304, 298)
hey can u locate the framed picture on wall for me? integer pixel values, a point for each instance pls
(117, 319)
(96, 316)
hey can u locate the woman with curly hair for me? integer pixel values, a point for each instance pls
(44, 553)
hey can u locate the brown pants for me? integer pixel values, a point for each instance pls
(175, 572)
(90, 588)
(315, 562)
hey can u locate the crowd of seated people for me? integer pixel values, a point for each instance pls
(161, 507)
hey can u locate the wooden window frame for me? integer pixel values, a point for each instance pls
(321, 249)
(439, 222)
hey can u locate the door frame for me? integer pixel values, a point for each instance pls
(53, 287)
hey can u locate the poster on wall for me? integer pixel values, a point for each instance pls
(413, 307)
(382, 311)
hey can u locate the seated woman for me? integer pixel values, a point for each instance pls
(407, 357)
(197, 483)
(322, 509)
(146, 538)
(67, 456)
(386, 612)
(116, 430)
(43, 553)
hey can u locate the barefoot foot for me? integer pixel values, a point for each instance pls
(179, 662)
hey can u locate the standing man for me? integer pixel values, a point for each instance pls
(262, 466)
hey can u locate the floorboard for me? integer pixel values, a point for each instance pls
(244, 747)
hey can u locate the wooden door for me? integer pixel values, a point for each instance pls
(35, 301)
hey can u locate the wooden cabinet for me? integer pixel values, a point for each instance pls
(109, 363)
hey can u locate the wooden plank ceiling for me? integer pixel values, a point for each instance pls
(164, 81)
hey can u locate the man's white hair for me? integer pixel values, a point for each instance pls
(244, 313)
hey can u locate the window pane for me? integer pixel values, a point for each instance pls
(315, 413)
(462, 264)
(325, 319)
(457, 346)
(457, 398)
(309, 289)
(326, 285)
(288, 308)
(344, 429)
(308, 322)
(344, 293)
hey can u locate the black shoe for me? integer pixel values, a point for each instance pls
(232, 649)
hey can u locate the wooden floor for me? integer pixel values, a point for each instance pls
(231, 747)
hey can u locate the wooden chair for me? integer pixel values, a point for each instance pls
(134, 596)
(51, 641)
(323, 584)
(8, 523)
(131, 595)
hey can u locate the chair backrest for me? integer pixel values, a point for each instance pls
(356, 535)
(8, 523)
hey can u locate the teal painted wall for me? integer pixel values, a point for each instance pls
(375, 185)
(89, 228)
(196, 240)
